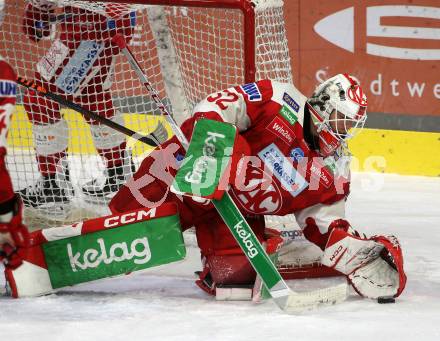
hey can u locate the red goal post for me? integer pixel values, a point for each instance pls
(248, 11)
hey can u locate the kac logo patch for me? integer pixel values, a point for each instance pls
(259, 194)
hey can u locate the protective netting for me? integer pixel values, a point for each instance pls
(66, 167)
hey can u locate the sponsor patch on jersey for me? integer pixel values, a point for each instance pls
(291, 234)
(8, 88)
(290, 102)
(317, 169)
(288, 115)
(283, 169)
(79, 66)
(281, 130)
(330, 163)
(296, 154)
(252, 92)
(52, 60)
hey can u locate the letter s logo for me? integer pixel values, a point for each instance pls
(338, 28)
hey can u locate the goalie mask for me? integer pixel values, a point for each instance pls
(338, 109)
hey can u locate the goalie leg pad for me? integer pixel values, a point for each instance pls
(224, 262)
(51, 138)
(98, 248)
(149, 188)
(105, 137)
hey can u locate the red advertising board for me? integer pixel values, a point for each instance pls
(393, 47)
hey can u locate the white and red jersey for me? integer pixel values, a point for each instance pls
(285, 175)
(78, 24)
(82, 54)
(8, 89)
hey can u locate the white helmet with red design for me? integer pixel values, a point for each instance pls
(338, 109)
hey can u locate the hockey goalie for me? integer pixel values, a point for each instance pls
(289, 156)
(79, 65)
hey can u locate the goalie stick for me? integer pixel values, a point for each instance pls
(154, 139)
(284, 297)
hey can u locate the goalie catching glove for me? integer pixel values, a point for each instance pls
(374, 266)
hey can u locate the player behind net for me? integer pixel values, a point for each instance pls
(79, 65)
(12, 232)
(289, 156)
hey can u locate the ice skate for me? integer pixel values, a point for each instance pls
(50, 195)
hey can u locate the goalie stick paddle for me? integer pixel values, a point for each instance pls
(284, 297)
(153, 139)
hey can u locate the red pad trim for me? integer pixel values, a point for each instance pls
(103, 223)
(309, 271)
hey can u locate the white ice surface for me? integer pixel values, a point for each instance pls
(165, 304)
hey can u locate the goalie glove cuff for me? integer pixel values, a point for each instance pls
(346, 253)
(374, 266)
(385, 275)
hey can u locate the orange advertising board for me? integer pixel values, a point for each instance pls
(392, 46)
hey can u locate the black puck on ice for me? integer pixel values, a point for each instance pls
(384, 300)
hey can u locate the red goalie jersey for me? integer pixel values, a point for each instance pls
(285, 174)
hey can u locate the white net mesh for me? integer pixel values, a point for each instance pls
(67, 167)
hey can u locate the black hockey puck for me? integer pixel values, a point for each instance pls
(384, 300)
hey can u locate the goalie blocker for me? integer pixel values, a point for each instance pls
(98, 248)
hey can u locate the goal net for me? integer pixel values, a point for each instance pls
(188, 49)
